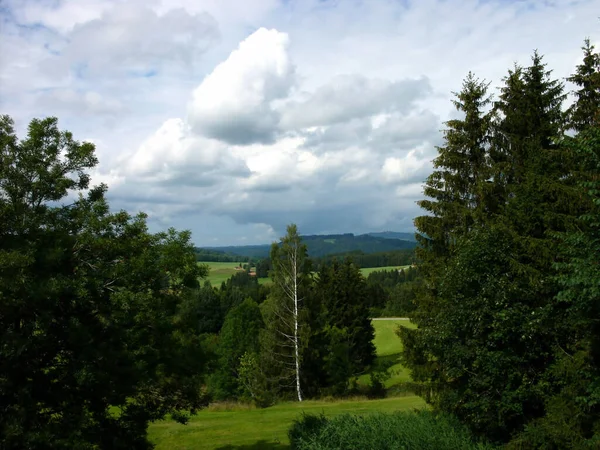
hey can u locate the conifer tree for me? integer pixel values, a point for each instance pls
(456, 190)
(485, 334)
(585, 111)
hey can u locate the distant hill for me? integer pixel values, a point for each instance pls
(395, 235)
(322, 245)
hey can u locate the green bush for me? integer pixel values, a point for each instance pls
(398, 431)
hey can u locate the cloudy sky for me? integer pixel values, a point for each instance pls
(233, 118)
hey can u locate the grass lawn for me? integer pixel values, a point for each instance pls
(368, 270)
(389, 346)
(242, 428)
(220, 271)
(254, 429)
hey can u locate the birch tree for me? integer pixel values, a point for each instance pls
(290, 274)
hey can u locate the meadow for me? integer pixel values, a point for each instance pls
(220, 271)
(239, 427)
(366, 271)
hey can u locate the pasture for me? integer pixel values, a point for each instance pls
(367, 270)
(220, 271)
(389, 346)
(239, 427)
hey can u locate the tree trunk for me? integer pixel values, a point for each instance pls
(295, 273)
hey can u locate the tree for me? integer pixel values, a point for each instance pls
(344, 295)
(486, 334)
(290, 276)
(456, 190)
(572, 401)
(89, 311)
(585, 111)
(239, 336)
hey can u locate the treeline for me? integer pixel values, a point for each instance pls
(392, 293)
(366, 260)
(206, 255)
(359, 258)
(508, 339)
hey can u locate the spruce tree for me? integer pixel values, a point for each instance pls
(456, 190)
(486, 335)
(585, 111)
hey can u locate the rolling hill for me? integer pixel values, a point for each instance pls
(322, 245)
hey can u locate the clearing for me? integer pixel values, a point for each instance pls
(246, 428)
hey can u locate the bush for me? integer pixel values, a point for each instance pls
(306, 428)
(398, 431)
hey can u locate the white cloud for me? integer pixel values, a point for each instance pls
(235, 102)
(132, 40)
(321, 113)
(347, 97)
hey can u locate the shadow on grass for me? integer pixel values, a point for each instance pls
(260, 445)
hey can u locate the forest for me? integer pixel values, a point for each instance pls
(107, 328)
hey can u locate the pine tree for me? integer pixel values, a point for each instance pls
(485, 335)
(457, 188)
(585, 111)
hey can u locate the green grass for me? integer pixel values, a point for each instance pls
(389, 346)
(368, 270)
(220, 271)
(260, 428)
(244, 428)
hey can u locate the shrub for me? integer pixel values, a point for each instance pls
(398, 431)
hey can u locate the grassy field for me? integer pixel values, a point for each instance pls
(368, 270)
(389, 346)
(240, 428)
(259, 428)
(220, 271)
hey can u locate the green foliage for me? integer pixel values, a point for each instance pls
(90, 313)
(507, 338)
(239, 336)
(585, 112)
(411, 430)
(340, 332)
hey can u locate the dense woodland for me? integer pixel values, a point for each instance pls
(508, 316)
(106, 327)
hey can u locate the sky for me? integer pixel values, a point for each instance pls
(234, 118)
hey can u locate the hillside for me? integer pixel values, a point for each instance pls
(322, 245)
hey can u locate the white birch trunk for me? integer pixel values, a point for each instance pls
(295, 277)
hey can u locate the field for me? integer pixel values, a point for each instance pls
(368, 270)
(389, 346)
(247, 429)
(239, 428)
(220, 271)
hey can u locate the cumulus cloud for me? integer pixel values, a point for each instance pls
(348, 97)
(173, 154)
(326, 114)
(234, 103)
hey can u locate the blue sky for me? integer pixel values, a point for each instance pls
(234, 118)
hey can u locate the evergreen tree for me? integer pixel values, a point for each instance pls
(585, 111)
(456, 190)
(486, 335)
(239, 336)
